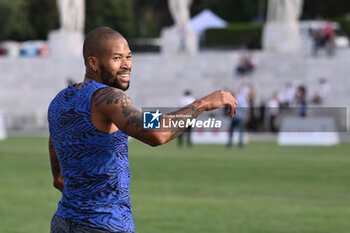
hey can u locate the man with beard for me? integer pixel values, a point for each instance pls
(89, 126)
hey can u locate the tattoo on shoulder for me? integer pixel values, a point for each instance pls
(110, 96)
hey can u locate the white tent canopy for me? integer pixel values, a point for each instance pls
(206, 19)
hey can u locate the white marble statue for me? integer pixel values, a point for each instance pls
(68, 40)
(283, 11)
(179, 38)
(71, 14)
(281, 31)
(180, 11)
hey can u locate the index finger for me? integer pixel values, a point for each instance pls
(233, 109)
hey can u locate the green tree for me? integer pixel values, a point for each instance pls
(152, 16)
(43, 16)
(231, 11)
(14, 23)
(33, 19)
(27, 20)
(325, 8)
(6, 7)
(117, 14)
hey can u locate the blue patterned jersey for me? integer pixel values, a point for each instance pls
(94, 164)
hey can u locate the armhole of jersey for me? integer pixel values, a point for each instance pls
(91, 95)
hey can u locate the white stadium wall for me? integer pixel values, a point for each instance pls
(28, 84)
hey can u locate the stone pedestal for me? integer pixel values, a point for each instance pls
(281, 37)
(66, 53)
(175, 42)
(65, 43)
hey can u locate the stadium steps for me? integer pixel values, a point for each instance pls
(27, 85)
(161, 81)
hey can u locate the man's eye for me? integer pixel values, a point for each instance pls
(128, 57)
(116, 58)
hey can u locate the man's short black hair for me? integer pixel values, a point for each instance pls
(95, 40)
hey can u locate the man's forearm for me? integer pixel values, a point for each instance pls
(188, 112)
(212, 101)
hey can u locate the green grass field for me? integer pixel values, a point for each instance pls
(263, 188)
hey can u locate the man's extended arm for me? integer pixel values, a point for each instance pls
(117, 107)
(58, 181)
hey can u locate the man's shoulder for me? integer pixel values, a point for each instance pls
(109, 95)
(61, 97)
(61, 94)
(106, 90)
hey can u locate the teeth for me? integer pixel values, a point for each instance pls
(125, 75)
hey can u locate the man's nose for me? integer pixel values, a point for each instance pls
(126, 64)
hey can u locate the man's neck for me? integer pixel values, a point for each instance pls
(91, 76)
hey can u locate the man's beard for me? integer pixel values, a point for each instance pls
(108, 79)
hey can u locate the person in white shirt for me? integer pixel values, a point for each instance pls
(186, 99)
(238, 120)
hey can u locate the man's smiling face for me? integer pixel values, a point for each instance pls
(115, 64)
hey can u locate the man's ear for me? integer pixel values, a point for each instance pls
(93, 63)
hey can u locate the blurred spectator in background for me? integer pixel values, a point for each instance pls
(322, 91)
(186, 99)
(238, 120)
(301, 100)
(329, 37)
(273, 111)
(244, 90)
(288, 96)
(324, 38)
(252, 123)
(2, 51)
(261, 117)
(246, 65)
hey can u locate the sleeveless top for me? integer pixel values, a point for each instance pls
(94, 164)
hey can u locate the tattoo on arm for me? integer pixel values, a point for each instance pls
(110, 96)
(134, 117)
(189, 110)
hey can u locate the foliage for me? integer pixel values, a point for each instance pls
(33, 19)
(43, 16)
(325, 8)
(234, 11)
(345, 25)
(152, 16)
(14, 20)
(117, 14)
(27, 20)
(236, 35)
